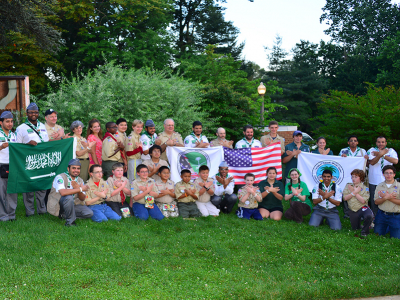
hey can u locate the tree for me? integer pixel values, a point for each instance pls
(388, 62)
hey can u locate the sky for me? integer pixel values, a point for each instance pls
(260, 21)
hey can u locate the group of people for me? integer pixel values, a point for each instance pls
(113, 166)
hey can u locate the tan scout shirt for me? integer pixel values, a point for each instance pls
(217, 142)
(51, 130)
(150, 163)
(278, 138)
(180, 188)
(121, 137)
(130, 145)
(135, 188)
(206, 196)
(164, 137)
(354, 204)
(53, 204)
(80, 147)
(251, 201)
(161, 186)
(110, 182)
(103, 185)
(109, 147)
(388, 206)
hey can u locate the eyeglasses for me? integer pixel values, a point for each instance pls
(388, 173)
(224, 169)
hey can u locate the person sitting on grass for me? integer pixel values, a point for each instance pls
(166, 198)
(119, 186)
(155, 162)
(356, 194)
(297, 193)
(187, 194)
(98, 193)
(143, 193)
(388, 200)
(224, 199)
(249, 196)
(272, 194)
(205, 186)
(326, 197)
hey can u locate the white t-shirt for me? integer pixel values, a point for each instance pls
(360, 152)
(375, 175)
(219, 188)
(26, 134)
(325, 203)
(190, 141)
(4, 153)
(58, 184)
(147, 143)
(243, 143)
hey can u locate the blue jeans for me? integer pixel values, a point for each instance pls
(247, 213)
(143, 213)
(385, 222)
(332, 215)
(102, 213)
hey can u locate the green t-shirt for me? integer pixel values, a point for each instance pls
(270, 201)
(304, 192)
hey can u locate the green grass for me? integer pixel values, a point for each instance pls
(210, 258)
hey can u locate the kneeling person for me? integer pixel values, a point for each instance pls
(326, 197)
(67, 195)
(224, 199)
(120, 189)
(205, 186)
(249, 196)
(166, 198)
(187, 194)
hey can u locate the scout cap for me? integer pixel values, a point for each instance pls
(6, 115)
(149, 123)
(32, 106)
(223, 164)
(297, 132)
(49, 112)
(74, 162)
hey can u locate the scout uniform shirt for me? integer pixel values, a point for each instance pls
(117, 197)
(206, 196)
(4, 153)
(278, 138)
(375, 175)
(217, 142)
(360, 152)
(109, 147)
(80, 147)
(25, 133)
(243, 143)
(354, 204)
(161, 186)
(150, 163)
(51, 130)
(103, 185)
(130, 145)
(251, 201)
(326, 203)
(293, 162)
(135, 188)
(192, 139)
(121, 137)
(147, 141)
(164, 137)
(219, 188)
(180, 188)
(388, 206)
(60, 182)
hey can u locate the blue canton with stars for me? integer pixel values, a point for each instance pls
(238, 157)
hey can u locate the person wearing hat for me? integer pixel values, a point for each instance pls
(8, 202)
(148, 138)
(54, 131)
(196, 139)
(67, 195)
(221, 139)
(224, 199)
(168, 138)
(293, 150)
(32, 132)
(248, 141)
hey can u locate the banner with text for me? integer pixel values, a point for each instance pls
(33, 168)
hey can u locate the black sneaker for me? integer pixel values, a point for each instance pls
(72, 224)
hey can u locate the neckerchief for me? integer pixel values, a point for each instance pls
(151, 137)
(36, 128)
(355, 154)
(200, 139)
(8, 137)
(122, 194)
(382, 159)
(329, 189)
(70, 179)
(250, 144)
(115, 140)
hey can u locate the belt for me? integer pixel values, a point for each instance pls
(389, 213)
(84, 158)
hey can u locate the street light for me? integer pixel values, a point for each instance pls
(261, 91)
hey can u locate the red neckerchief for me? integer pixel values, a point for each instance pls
(121, 193)
(111, 136)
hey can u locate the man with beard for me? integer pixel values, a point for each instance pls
(67, 195)
(224, 199)
(33, 132)
(248, 141)
(196, 139)
(221, 139)
(148, 138)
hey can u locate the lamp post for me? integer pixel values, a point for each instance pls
(261, 91)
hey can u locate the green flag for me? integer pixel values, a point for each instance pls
(33, 168)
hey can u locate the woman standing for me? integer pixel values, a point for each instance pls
(95, 134)
(272, 194)
(321, 143)
(82, 148)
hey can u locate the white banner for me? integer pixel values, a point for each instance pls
(312, 165)
(181, 158)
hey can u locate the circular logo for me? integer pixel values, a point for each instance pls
(192, 160)
(334, 167)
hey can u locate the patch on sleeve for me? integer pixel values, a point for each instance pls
(60, 181)
(314, 190)
(186, 142)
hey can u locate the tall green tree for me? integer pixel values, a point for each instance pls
(388, 62)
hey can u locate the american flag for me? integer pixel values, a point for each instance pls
(253, 160)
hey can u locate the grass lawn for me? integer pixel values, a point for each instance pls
(210, 258)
